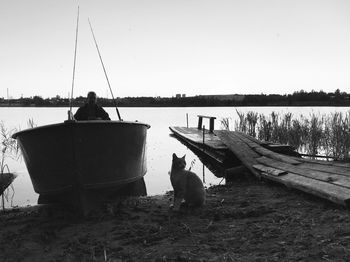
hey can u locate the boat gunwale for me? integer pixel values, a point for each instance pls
(83, 122)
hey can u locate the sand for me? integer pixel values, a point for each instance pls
(247, 220)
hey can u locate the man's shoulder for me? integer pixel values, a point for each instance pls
(99, 107)
(83, 107)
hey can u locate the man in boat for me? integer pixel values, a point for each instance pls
(91, 111)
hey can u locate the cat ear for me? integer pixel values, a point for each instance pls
(174, 156)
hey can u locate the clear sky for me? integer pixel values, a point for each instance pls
(165, 47)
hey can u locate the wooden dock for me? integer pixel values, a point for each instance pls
(329, 180)
(207, 144)
(326, 179)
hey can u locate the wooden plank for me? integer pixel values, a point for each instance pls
(260, 142)
(245, 139)
(211, 117)
(196, 136)
(334, 193)
(339, 164)
(306, 160)
(270, 170)
(266, 152)
(270, 154)
(231, 140)
(313, 174)
(242, 151)
(277, 148)
(326, 168)
(323, 162)
(283, 149)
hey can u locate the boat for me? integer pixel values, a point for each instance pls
(74, 161)
(84, 162)
(87, 155)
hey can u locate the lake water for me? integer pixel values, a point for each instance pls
(160, 145)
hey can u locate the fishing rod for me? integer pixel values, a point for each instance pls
(70, 114)
(104, 70)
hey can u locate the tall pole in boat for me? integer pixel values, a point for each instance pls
(104, 70)
(70, 114)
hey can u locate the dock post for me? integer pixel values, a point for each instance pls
(203, 136)
(200, 121)
(203, 174)
(187, 119)
(211, 125)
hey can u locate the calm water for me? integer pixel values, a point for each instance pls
(160, 146)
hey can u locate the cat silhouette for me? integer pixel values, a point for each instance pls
(187, 186)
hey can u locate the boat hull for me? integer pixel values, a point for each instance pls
(5, 181)
(84, 155)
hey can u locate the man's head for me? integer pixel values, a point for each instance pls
(91, 98)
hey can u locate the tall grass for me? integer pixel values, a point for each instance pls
(9, 149)
(225, 123)
(338, 135)
(314, 135)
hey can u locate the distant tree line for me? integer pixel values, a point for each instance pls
(298, 98)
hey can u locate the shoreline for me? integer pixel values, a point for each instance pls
(246, 220)
(182, 106)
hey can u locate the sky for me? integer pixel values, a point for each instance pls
(168, 47)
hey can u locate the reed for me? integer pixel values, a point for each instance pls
(298, 133)
(225, 123)
(313, 135)
(337, 137)
(31, 123)
(241, 125)
(252, 119)
(9, 149)
(264, 128)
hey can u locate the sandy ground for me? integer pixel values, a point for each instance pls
(247, 220)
